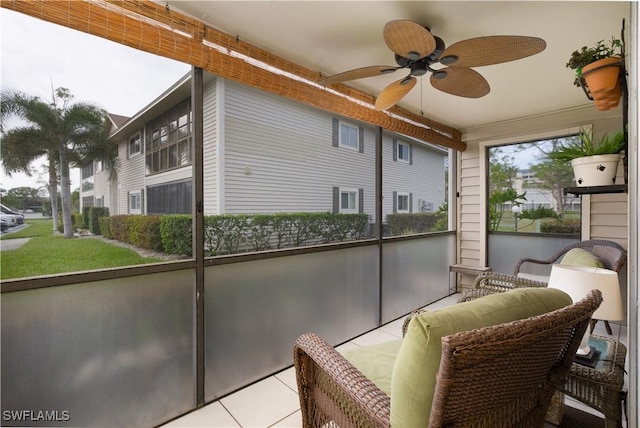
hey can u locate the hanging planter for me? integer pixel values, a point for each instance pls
(594, 163)
(598, 72)
(598, 170)
(602, 78)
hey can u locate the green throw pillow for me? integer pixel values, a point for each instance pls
(580, 257)
(414, 373)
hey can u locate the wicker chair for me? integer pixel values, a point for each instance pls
(478, 369)
(611, 253)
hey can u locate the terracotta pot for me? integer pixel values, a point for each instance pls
(599, 170)
(602, 76)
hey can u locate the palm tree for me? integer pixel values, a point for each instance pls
(65, 133)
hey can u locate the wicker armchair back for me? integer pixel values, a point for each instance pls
(498, 376)
(611, 253)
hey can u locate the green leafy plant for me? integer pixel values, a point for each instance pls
(585, 56)
(584, 145)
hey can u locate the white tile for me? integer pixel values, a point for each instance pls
(262, 404)
(288, 377)
(374, 337)
(394, 327)
(292, 421)
(346, 346)
(210, 416)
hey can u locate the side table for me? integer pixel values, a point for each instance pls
(601, 387)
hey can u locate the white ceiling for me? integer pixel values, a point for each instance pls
(335, 36)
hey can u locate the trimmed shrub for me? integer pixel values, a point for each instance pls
(566, 227)
(144, 231)
(94, 213)
(86, 216)
(118, 227)
(403, 224)
(105, 228)
(76, 222)
(175, 233)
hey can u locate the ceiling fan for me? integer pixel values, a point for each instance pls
(417, 49)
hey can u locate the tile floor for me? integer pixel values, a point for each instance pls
(273, 402)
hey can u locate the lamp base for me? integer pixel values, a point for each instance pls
(589, 360)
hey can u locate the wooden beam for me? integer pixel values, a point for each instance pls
(153, 28)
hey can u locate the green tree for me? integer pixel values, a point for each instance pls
(554, 176)
(63, 132)
(21, 198)
(502, 175)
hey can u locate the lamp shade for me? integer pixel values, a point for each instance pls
(577, 281)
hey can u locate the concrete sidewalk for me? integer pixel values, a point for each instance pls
(12, 244)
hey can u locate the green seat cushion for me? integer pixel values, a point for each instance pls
(580, 257)
(375, 362)
(414, 373)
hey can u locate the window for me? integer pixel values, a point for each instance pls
(170, 198)
(87, 201)
(402, 201)
(348, 136)
(347, 201)
(404, 152)
(135, 203)
(135, 145)
(522, 175)
(87, 170)
(168, 140)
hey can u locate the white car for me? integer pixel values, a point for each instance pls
(11, 220)
(5, 210)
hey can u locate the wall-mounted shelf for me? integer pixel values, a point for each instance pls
(593, 190)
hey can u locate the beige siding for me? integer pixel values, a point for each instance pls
(130, 174)
(210, 149)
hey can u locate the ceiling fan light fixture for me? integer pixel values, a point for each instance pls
(449, 59)
(406, 80)
(440, 74)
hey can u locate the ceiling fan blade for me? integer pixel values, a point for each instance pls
(359, 73)
(491, 50)
(463, 82)
(393, 93)
(408, 39)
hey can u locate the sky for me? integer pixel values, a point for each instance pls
(36, 55)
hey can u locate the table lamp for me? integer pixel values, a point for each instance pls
(577, 281)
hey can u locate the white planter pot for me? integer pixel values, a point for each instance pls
(599, 170)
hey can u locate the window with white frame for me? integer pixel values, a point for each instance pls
(403, 203)
(404, 152)
(135, 145)
(135, 203)
(348, 136)
(348, 201)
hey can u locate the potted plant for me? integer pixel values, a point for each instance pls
(594, 163)
(598, 68)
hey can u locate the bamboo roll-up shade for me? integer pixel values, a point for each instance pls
(150, 27)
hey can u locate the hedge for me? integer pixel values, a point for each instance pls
(93, 214)
(76, 222)
(567, 226)
(230, 234)
(404, 224)
(105, 227)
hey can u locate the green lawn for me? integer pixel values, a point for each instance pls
(46, 253)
